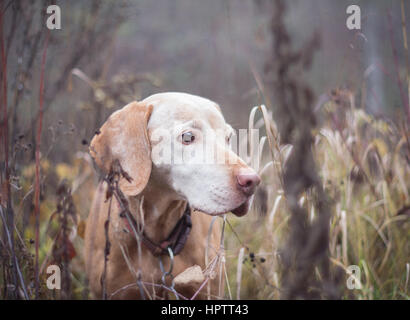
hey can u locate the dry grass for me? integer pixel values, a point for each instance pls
(364, 167)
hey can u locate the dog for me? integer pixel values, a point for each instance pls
(171, 192)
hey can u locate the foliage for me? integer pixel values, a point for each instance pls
(361, 161)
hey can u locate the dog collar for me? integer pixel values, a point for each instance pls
(176, 239)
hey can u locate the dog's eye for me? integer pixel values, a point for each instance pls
(188, 137)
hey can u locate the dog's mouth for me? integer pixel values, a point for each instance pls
(242, 209)
(239, 211)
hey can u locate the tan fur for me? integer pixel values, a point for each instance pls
(118, 274)
(126, 137)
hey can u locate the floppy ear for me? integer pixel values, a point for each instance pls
(124, 137)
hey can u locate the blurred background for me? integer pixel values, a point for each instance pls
(109, 53)
(213, 49)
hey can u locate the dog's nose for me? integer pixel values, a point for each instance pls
(248, 180)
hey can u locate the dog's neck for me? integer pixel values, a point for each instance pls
(161, 209)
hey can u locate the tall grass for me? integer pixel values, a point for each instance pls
(364, 166)
(365, 169)
(363, 163)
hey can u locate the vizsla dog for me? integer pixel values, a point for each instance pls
(161, 143)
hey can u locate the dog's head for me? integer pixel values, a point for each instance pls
(181, 142)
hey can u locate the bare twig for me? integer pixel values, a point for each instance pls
(307, 246)
(37, 179)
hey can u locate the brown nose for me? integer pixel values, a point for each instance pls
(248, 180)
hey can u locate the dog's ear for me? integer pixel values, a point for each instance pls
(124, 137)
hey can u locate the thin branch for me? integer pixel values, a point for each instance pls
(37, 178)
